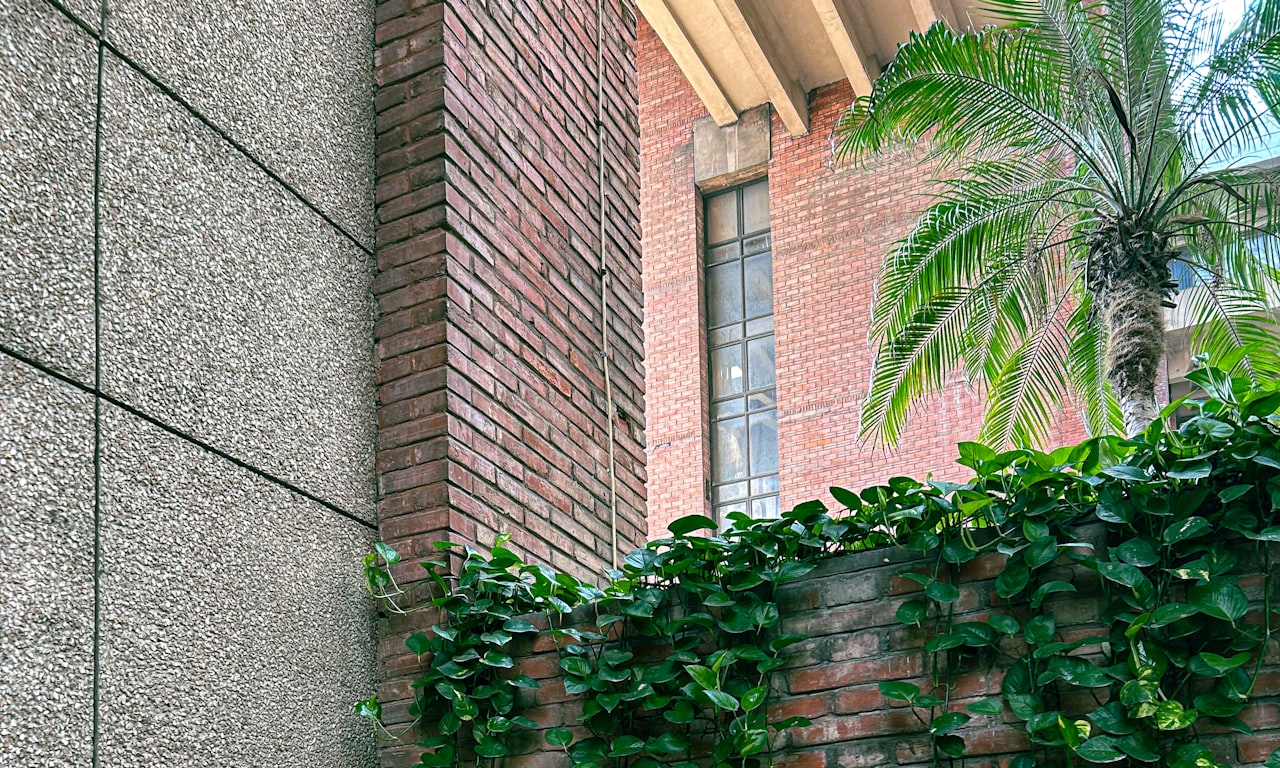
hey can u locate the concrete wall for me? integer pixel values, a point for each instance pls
(186, 382)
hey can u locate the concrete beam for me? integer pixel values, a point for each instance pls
(673, 35)
(925, 12)
(780, 85)
(845, 42)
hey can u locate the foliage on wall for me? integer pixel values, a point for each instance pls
(675, 658)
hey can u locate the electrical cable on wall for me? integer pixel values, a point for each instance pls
(605, 354)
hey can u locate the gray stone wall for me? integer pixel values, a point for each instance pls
(186, 387)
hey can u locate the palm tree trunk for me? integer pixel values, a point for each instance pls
(1132, 314)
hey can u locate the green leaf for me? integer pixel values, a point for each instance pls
(418, 642)
(1171, 717)
(942, 592)
(690, 523)
(1217, 705)
(495, 659)
(950, 745)
(913, 612)
(388, 553)
(1221, 600)
(703, 676)
(1100, 749)
(1111, 717)
(1190, 528)
(1171, 612)
(1012, 580)
(1138, 552)
(794, 570)
(369, 708)
(1044, 590)
(986, 707)
(1122, 573)
(1266, 534)
(454, 670)
(754, 697)
(1233, 492)
(1039, 630)
(1041, 552)
(1006, 624)
(947, 723)
(786, 641)
(721, 700)
(488, 747)
(1191, 756)
(623, 746)
(848, 499)
(559, 737)
(1190, 470)
(497, 637)
(1212, 665)
(518, 626)
(667, 744)
(897, 690)
(753, 742)
(1126, 472)
(576, 665)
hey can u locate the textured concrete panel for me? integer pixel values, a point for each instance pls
(235, 630)
(290, 81)
(48, 82)
(46, 569)
(229, 310)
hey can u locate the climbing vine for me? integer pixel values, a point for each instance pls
(676, 657)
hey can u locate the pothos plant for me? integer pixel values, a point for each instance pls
(1169, 528)
(675, 656)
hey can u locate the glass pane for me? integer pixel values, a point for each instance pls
(726, 371)
(766, 507)
(722, 513)
(760, 325)
(762, 401)
(753, 245)
(722, 217)
(725, 335)
(734, 407)
(755, 207)
(760, 363)
(759, 284)
(722, 253)
(724, 294)
(764, 443)
(729, 451)
(763, 485)
(730, 492)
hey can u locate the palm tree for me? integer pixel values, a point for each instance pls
(1084, 148)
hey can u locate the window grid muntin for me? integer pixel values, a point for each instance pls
(761, 488)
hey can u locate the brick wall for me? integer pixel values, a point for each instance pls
(493, 414)
(832, 226)
(855, 643)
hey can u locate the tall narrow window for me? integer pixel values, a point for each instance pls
(744, 411)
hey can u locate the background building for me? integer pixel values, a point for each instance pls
(708, 155)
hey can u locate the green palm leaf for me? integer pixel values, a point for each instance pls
(1083, 147)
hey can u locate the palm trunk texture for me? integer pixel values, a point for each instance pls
(1132, 314)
